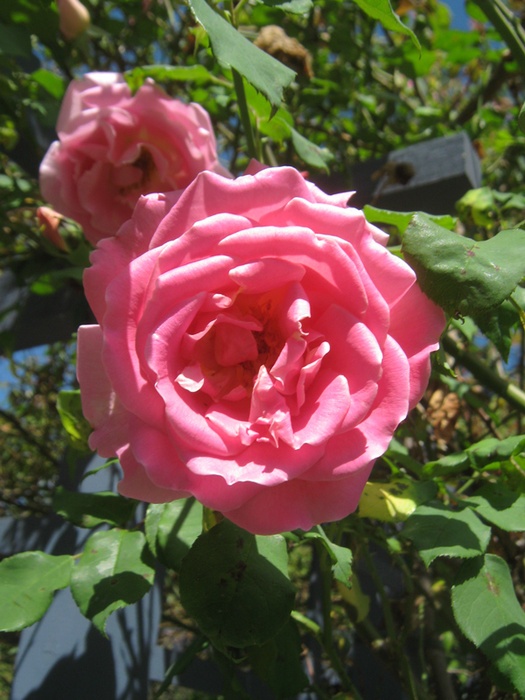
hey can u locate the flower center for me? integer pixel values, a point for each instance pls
(134, 179)
(228, 353)
(268, 340)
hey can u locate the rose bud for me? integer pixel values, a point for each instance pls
(73, 18)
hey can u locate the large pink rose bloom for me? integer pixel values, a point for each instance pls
(257, 347)
(114, 146)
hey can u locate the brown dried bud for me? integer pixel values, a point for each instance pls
(277, 43)
(74, 18)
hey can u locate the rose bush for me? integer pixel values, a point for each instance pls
(257, 346)
(114, 146)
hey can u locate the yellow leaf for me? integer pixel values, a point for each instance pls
(394, 501)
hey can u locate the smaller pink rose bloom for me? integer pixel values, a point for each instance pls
(257, 346)
(114, 146)
(74, 18)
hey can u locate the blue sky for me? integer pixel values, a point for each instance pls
(6, 378)
(459, 15)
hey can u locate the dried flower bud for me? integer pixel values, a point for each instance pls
(49, 221)
(74, 18)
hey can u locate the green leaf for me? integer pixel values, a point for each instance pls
(69, 407)
(448, 465)
(51, 82)
(498, 326)
(309, 152)
(278, 125)
(489, 450)
(27, 584)
(488, 613)
(483, 206)
(165, 74)
(358, 601)
(115, 570)
(341, 557)
(482, 455)
(232, 50)
(237, 595)
(382, 11)
(401, 219)
(171, 529)
(279, 662)
(395, 500)
(294, 7)
(438, 531)
(92, 509)
(462, 275)
(500, 506)
(521, 118)
(15, 41)
(274, 124)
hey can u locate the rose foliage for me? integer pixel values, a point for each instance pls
(256, 348)
(252, 349)
(114, 146)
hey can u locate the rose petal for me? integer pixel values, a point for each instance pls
(298, 504)
(100, 405)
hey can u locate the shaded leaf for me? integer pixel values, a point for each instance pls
(500, 506)
(521, 118)
(224, 583)
(171, 529)
(279, 662)
(27, 584)
(15, 41)
(438, 531)
(356, 599)
(487, 611)
(232, 50)
(115, 570)
(92, 509)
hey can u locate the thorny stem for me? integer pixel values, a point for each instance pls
(237, 9)
(508, 27)
(198, 644)
(253, 151)
(327, 639)
(490, 379)
(391, 628)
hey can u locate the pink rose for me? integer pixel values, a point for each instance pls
(114, 146)
(73, 17)
(257, 347)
